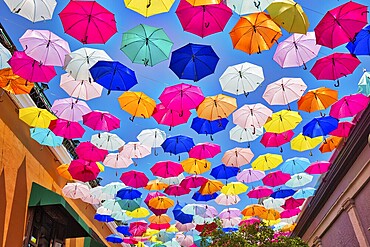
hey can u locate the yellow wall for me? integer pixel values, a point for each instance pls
(23, 161)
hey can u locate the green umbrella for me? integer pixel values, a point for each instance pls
(146, 45)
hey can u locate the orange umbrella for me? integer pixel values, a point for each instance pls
(160, 219)
(317, 99)
(211, 187)
(13, 83)
(254, 210)
(255, 33)
(270, 214)
(195, 166)
(63, 171)
(216, 107)
(161, 202)
(156, 185)
(330, 144)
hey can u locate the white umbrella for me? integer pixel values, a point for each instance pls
(152, 138)
(231, 222)
(121, 215)
(33, 10)
(85, 90)
(78, 63)
(245, 7)
(172, 180)
(227, 200)
(90, 199)
(240, 134)
(75, 190)
(112, 204)
(112, 188)
(103, 211)
(135, 150)
(254, 115)
(99, 194)
(298, 180)
(4, 57)
(117, 160)
(241, 78)
(273, 203)
(107, 141)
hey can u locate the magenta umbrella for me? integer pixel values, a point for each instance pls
(270, 139)
(134, 179)
(260, 192)
(176, 190)
(70, 109)
(290, 212)
(249, 221)
(335, 66)
(250, 175)
(193, 181)
(292, 203)
(88, 151)
(30, 69)
(276, 178)
(166, 169)
(172, 118)
(203, 20)
(204, 150)
(83, 170)
(138, 228)
(318, 167)
(99, 120)
(348, 106)
(66, 129)
(343, 130)
(341, 24)
(88, 22)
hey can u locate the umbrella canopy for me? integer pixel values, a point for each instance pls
(341, 24)
(273, 203)
(166, 169)
(364, 84)
(295, 165)
(255, 33)
(156, 185)
(66, 129)
(180, 216)
(117, 160)
(193, 61)
(276, 178)
(84, 90)
(63, 171)
(45, 137)
(320, 126)
(318, 167)
(114, 239)
(146, 45)
(152, 137)
(138, 104)
(282, 193)
(304, 193)
(292, 203)
(251, 116)
(149, 8)
(138, 213)
(240, 134)
(270, 139)
(161, 202)
(203, 20)
(83, 170)
(204, 198)
(227, 200)
(244, 7)
(135, 150)
(317, 99)
(343, 129)
(260, 192)
(134, 179)
(164, 115)
(90, 152)
(203, 2)
(283, 121)
(330, 144)
(210, 187)
(128, 193)
(178, 144)
(195, 166)
(267, 162)
(70, 109)
(204, 150)
(176, 190)
(36, 117)
(250, 175)
(254, 210)
(88, 22)
(349, 106)
(75, 190)
(361, 43)
(302, 143)
(99, 120)
(224, 172)
(237, 157)
(39, 10)
(299, 180)
(194, 181)
(4, 57)
(234, 188)
(216, 107)
(14, 83)
(207, 127)
(297, 50)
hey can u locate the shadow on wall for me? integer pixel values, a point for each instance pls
(2, 205)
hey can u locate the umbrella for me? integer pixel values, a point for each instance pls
(194, 181)
(123, 229)
(178, 144)
(83, 170)
(70, 109)
(164, 236)
(195, 166)
(270, 214)
(216, 107)
(14, 83)
(251, 116)
(224, 172)
(297, 50)
(99, 120)
(122, 216)
(130, 205)
(36, 117)
(290, 212)
(90, 152)
(146, 45)
(194, 209)
(172, 180)
(35, 10)
(104, 218)
(341, 24)
(349, 106)
(88, 22)
(267, 162)
(138, 228)
(207, 127)
(240, 134)
(204, 150)
(260, 192)
(244, 7)
(330, 144)
(193, 61)
(289, 15)
(63, 171)
(250, 175)
(210, 187)
(184, 240)
(135, 150)
(299, 180)
(164, 115)
(227, 200)
(98, 193)
(317, 99)
(134, 179)
(284, 91)
(343, 129)
(138, 104)
(45, 137)
(304, 193)
(30, 69)
(66, 129)
(303, 143)
(45, 47)
(203, 20)
(242, 78)
(128, 193)
(255, 33)
(295, 165)
(4, 57)
(254, 210)
(292, 203)
(149, 7)
(107, 141)
(270, 139)
(159, 226)
(180, 216)
(203, 198)
(237, 157)
(85, 90)
(282, 121)
(138, 213)
(273, 203)
(160, 219)
(113, 238)
(75, 190)
(276, 178)
(234, 188)
(320, 126)
(176, 190)
(334, 66)
(152, 137)
(282, 193)
(360, 44)
(156, 185)
(364, 84)
(318, 167)
(166, 169)
(161, 202)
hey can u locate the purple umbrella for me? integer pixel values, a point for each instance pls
(250, 175)
(99, 120)
(70, 109)
(66, 129)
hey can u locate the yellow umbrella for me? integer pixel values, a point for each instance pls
(211, 187)
(149, 7)
(283, 121)
(267, 162)
(270, 214)
(172, 228)
(151, 232)
(137, 104)
(303, 143)
(216, 107)
(234, 188)
(100, 166)
(161, 202)
(271, 222)
(289, 15)
(36, 117)
(203, 2)
(63, 171)
(156, 185)
(288, 228)
(140, 244)
(195, 166)
(138, 213)
(159, 219)
(13, 83)
(254, 210)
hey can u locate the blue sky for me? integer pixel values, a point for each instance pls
(152, 80)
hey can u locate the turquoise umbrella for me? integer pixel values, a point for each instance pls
(304, 193)
(295, 165)
(146, 45)
(130, 205)
(46, 137)
(364, 84)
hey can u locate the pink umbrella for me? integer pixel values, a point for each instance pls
(292, 203)
(88, 151)
(230, 222)
(117, 160)
(276, 139)
(260, 192)
(83, 170)
(318, 167)
(135, 150)
(30, 69)
(66, 129)
(166, 169)
(166, 116)
(159, 226)
(70, 109)
(134, 179)
(343, 130)
(276, 178)
(227, 200)
(88, 22)
(176, 190)
(290, 212)
(251, 116)
(249, 221)
(250, 175)
(335, 66)
(204, 150)
(138, 228)
(184, 227)
(100, 120)
(237, 157)
(131, 240)
(84, 90)
(341, 24)
(203, 20)
(348, 106)
(184, 240)
(193, 181)
(75, 190)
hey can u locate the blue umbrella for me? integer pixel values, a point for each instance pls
(193, 61)
(361, 44)
(103, 218)
(128, 193)
(46, 137)
(224, 172)
(114, 76)
(180, 216)
(114, 239)
(304, 193)
(124, 230)
(207, 127)
(295, 165)
(130, 205)
(282, 193)
(204, 198)
(320, 126)
(178, 144)
(230, 229)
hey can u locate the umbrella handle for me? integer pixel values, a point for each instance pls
(246, 94)
(336, 84)
(211, 138)
(304, 66)
(281, 149)
(155, 152)
(132, 118)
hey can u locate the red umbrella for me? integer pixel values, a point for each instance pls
(270, 139)
(66, 129)
(341, 24)
(172, 118)
(176, 190)
(159, 226)
(88, 151)
(335, 66)
(166, 169)
(204, 150)
(98, 120)
(260, 192)
(275, 178)
(83, 170)
(291, 203)
(134, 179)
(138, 228)
(206, 229)
(88, 22)
(194, 181)
(343, 129)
